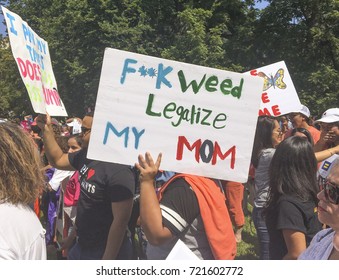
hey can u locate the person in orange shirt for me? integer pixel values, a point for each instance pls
(188, 207)
(301, 119)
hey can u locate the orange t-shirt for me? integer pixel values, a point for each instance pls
(214, 213)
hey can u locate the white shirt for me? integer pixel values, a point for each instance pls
(58, 177)
(22, 236)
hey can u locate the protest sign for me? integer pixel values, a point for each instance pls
(32, 56)
(279, 96)
(202, 119)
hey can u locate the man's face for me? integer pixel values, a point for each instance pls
(86, 130)
(334, 127)
(296, 119)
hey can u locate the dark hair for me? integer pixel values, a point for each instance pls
(303, 131)
(263, 137)
(78, 138)
(89, 114)
(63, 143)
(292, 172)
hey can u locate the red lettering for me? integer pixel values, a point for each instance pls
(56, 97)
(22, 67)
(217, 152)
(30, 69)
(37, 72)
(47, 97)
(180, 148)
(264, 112)
(276, 110)
(254, 73)
(264, 98)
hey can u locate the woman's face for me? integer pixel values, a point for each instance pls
(276, 134)
(73, 146)
(328, 213)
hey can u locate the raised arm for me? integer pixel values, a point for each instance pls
(150, 213)
(54, 154)
(324, 154)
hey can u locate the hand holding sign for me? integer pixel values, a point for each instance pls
(43, 120)
(148, 169)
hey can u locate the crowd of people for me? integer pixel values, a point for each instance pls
(115, 211)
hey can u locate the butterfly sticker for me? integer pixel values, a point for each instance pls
(276, 81)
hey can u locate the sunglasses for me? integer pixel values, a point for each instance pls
(85, 130)
(331, 191)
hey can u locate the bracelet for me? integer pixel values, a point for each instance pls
(331, 152)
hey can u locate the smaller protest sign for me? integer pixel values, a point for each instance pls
(32, 56)
(279, 96)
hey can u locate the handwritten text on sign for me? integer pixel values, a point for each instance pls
(32, 56)
(201, 119)
(279, 96)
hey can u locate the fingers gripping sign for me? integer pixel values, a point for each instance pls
(43, 120)
(148, 169)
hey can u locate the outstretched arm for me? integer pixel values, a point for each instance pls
(54, 154)
(150, 213)
(324, 154)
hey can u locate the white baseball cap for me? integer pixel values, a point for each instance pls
(304, 110)
(330, 116)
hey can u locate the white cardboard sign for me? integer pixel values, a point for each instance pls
(32, 56)
(279, 96)
(202, 119)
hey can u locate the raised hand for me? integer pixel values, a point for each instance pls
(43, 120)
(148, 169)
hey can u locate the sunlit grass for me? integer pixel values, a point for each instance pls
(248, 248)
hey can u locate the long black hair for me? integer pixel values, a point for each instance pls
(263, 137)
(293, 171)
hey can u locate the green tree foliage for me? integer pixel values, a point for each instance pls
(14, 100)
(225, 34)
(304, 33)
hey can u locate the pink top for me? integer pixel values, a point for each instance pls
(72, 190)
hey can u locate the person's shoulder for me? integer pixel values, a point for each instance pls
(267, 153)
(113, 169)
(323, 234)
(288, 200)
(312, 129)
(115, 166)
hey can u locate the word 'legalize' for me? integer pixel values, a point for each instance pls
(192, 115)
(206, 151)
(211, 83)
(267, 111)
